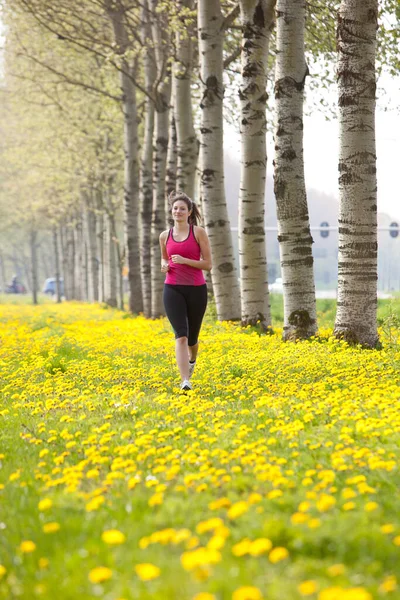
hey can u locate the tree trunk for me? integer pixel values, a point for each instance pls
(93, 260)
(78, 240)
(3, 273)
(357, 261)
(34, 265)
(57, 265)
(187, 143)
(170, 177)
(111, 259)
(64, 262)
(294, 234)
(101, 245)
(131, 195)
(70, 250)
(131, 149)
(160, 147)
(146, 168)
(257, 17)
(224, 272)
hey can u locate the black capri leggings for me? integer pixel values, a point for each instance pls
(185, 306)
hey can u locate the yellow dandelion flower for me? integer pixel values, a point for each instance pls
(3, 571)
(247, 593)
(237, 509)
(387, 528)
(100, 574)
(277, 554)
(220, 503)
(27, 546)
(45, 504)
(113, 537)
(396, 540)
(204, 596)
(43, 562)
(51, 527)
(371, 506)
(260, 546)
(241, 548)
(147, 571)
(335, 570)
(307, 588)
(325, 503)
(314, 523)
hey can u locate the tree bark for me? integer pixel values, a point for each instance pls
(224, 271)
(93, 261)
(294, 236)
(170, 176)
(187, 143)
(146, 167)
(34, 265)
(131, 170)
(70, 251)
(160, 148)
(257, 18)
(57, 265)
(358, 246)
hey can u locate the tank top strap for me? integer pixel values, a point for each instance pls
(194, 237)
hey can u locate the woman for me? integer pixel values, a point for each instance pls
(185, 254)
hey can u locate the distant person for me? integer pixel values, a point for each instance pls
(14, 286)
(185, 254)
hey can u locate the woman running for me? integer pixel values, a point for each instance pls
(185, 254)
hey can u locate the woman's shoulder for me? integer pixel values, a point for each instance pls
(199, 231)
(164, 235)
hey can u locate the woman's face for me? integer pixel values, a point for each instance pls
(180, 211)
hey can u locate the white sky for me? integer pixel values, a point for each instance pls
(321, 150)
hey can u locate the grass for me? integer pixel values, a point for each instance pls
(275, 478)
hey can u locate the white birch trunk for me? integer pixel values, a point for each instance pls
(131, 164)
(257, 17)
(70, 247)
(170, 175)
(101, 245)
(160, 148)
(187, 143)
(146, 167)
(78, 242)
(34, 265)
(294, 236)
(224, 272)
(93, 261)
(357, 268)
(57, 264)
(111, 260)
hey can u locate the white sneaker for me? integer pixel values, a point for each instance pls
(186, 385)
(191, 368)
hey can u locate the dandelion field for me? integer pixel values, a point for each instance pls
(276, 478)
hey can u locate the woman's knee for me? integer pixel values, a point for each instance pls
(182, 340)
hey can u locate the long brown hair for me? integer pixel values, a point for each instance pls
(194, 217)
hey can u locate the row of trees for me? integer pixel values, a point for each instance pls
(88, 79)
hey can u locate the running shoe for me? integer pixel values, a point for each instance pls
(186, 385)
(191, 368)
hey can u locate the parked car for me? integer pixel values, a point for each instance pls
(50, 286)
(277, 286)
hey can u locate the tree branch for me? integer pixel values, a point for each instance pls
(232, 57)
(230, 18)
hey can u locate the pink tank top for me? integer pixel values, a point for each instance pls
(183, 274)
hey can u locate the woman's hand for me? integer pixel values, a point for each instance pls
(178, 259)
(164, 266)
